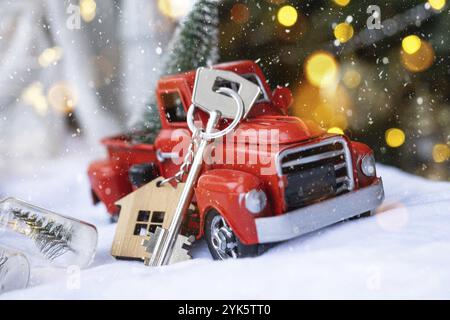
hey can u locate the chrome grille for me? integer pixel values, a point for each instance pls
(316, 171)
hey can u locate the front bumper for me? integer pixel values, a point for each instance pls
(304, 220)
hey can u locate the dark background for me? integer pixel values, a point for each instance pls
(388, 95)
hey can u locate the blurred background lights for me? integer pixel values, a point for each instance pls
(343, 32)
(441, 153)
(419, 60)
(411, 44)
(287, 16)
(321, 69)
(33, 95)
(62, 97)
(174, 9)
(50, 56)
(327, 107)
(335, 130)
(395, 137)
(240, 13)
(352, 79)
(437, 4)
(342, 3)
(88, 10)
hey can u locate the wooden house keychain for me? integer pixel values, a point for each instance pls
(141, 212)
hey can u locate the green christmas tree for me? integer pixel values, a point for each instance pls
(194, 44)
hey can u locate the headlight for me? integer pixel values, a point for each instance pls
(368, 165)
(255, 201)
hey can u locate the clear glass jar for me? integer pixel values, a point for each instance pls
(39, 232)
(14, 270)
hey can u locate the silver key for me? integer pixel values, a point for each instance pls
(167, 246)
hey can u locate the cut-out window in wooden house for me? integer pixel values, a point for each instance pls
(140, 229)
(143, 216)
(148, 221)
(158, 217)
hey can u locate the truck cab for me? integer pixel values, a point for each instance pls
(276, 177)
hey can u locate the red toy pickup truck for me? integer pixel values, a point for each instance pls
(317, 178)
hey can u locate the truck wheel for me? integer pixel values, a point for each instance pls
(222, 242)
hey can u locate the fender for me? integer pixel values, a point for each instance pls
(108, 183)
(224, 190)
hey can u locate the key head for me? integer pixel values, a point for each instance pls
(206, 97)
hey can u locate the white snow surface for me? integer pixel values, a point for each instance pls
(402, 252)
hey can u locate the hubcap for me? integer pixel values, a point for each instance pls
(223, 238)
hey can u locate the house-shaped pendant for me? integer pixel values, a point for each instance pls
(141, 212)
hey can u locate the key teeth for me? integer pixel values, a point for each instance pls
(145, 243)
(180, 251)
(151, 243)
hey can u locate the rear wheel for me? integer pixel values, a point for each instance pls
(222, 242)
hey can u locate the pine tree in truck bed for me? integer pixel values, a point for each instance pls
(194, 44)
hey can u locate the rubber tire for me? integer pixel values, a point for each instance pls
(243, 251)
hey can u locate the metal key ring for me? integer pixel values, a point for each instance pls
(214, 135)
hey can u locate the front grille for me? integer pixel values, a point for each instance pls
(316, 171)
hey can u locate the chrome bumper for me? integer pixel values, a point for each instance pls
(304, 220)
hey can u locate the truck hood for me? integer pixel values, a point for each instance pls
(278, 129)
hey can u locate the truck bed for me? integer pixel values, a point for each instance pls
(125, 151)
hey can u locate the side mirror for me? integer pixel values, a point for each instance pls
(282, 98)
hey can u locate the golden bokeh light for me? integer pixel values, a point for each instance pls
(287, 15)
(335, 130)
(240, 13)
(326, 107)
(420, 60)
(395, 137)
(62, 97)
(343, 32)
(88, 10)
(174, 9)
(321, 69)
(33, 95)
(437, 4)
(341, 3)
(441, 153)
(50, 56)
(352, 79)
(411, 44)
